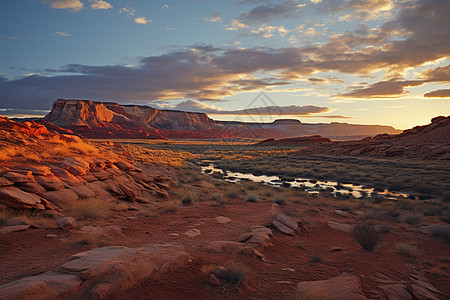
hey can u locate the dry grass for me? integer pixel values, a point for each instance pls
(83, 148)
(7, 153)
(95, 238)
(366, 235)
(232, 273)
(409, 250)
(169, 206)
(94, 208)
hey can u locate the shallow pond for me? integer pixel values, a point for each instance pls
(310, 185)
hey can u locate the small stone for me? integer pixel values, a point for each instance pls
(66, 223)
(213, 280)
(284, 282)
(174, 234)
(51, 235)
(192, 233)
(222, 220)
(340, 226)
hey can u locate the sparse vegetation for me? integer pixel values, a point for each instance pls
(232, 273)
(413, 218)
(441, 231)
(316, 258)
(218, 197)
(169, 206)
(366, 235)
(409, 250)
(94, 208)
(252, 197)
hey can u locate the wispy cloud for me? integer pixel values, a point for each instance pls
(60, 33)
(74, 5)
(100, 4)
(142, 20)
(127, 11)
(165, 7)
(215, 17)
(236, 25)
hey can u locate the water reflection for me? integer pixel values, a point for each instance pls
(310, 185)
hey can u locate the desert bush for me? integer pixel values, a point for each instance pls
(32, 157)
(232, 273)
(189, 197)
(316, 258)
(366, 235)
(95, 238)
(280, 200)
(413, 218)
(442, 231)
(218, 197)
(252, 197)
(169, 206)
(409, 250)
(93, 208)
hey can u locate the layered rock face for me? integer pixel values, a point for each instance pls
(430, 141)
(67, 113)
(95, 119)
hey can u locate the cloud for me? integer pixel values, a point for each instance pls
(142, 20)
(393, 88)
(127, 11)
(165, 7)
(100, 4)
(267, 31)
(444, 93)
(215, 17)
(74, 5)
(236, 25)
(267, 12)
(59, 33)
(292, 110)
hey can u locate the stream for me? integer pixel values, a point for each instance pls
(309, 185)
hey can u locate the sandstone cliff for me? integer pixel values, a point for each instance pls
(95, 119)
(67, 113)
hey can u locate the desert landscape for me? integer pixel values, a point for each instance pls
(244, 149)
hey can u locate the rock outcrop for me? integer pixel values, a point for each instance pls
(430, 141)
(96, 119)
(98, 273)
(60, 182)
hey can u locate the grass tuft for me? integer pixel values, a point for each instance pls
(409, 250)
(367, 236)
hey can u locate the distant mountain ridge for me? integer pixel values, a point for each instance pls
(95, 119)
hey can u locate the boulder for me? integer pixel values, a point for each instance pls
(17, 221)
(19, 177)
(49, 285)
(14, 228)
(31, 187)
(5, 182)
(83, 191)
(284, 224)
(66, 223)
(123, 165)
(62, 198)
(40, 170)
(75, 165)
(50, 183)
(344, 286)
(14, 197)
(66, 176)
(100, 174)
(340, 226)
(232, 247)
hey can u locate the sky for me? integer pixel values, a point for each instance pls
(320, 61)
